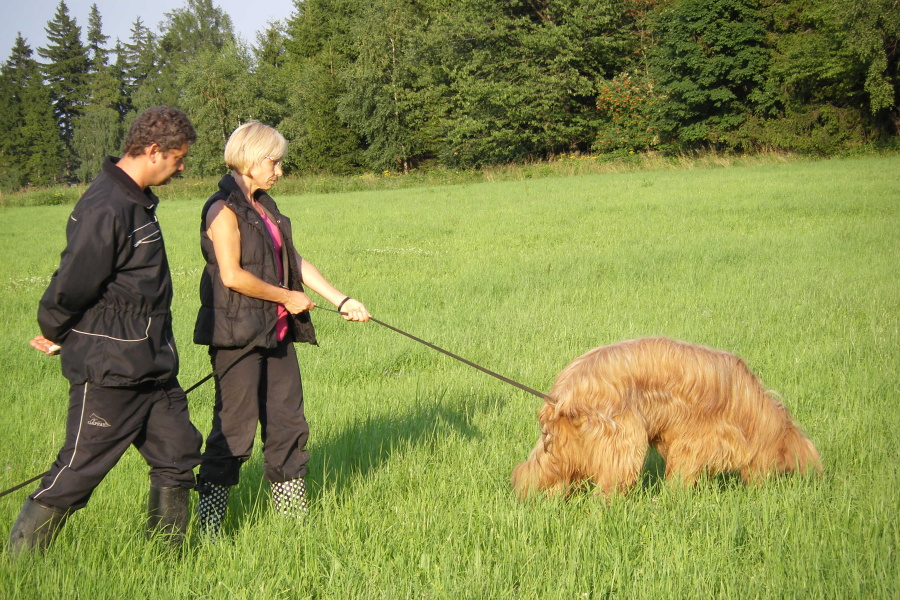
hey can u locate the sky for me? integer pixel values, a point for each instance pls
(117, 16)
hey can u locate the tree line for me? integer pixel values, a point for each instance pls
(392, 85)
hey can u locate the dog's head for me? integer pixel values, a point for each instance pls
(795, 452)
(549, 468)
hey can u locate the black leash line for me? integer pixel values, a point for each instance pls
(451, 355)
(249, 346)
(23, 484)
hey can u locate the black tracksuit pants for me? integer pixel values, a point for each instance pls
(103, 422)
(263, 386)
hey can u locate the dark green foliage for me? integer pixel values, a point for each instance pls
(138, 60)
(98, 130)
(390, 86)
(66, 74)
(31, 150)
(96, 41)
(874, 40)
(188, 31)
(321, 141)
(98, 133)
(198, 25)
(321, 25)
(834, 74)
(711, 62)
(319, 47)
(271, 49)
(393, 89)
(12, 84)
(523, 75)
(219, 93)
(269, 65)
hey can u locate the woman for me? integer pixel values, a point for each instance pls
(252, 296)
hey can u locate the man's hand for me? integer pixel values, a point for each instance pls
(44, 345)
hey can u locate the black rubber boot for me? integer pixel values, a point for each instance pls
(211, 507)
(35, 527)
(167, 514)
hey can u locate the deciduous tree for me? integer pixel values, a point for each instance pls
(394, 86)
(523, 75)
(220, 91)
(711, 62)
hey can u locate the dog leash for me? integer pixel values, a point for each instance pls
(23, 484)
(259, 338)
(521, 386)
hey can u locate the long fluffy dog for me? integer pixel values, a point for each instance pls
(702, 409)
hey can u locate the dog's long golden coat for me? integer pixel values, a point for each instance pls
(702, 409)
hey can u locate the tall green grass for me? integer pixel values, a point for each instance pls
(793, 266)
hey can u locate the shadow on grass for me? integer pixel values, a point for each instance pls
(359, 449)
(653, 475)
(370, 442)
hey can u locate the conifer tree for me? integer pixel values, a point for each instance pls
(98, 129)
(139, 61)
(11, 115)
(31, 151)
(395, 90)
(318, 42)
(96, 41)
(270, 61)
(104, 82)
(66, 71)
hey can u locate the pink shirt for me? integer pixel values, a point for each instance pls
(281, 326)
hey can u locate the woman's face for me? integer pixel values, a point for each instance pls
(265, 173)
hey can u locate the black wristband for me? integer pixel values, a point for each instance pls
(341, 305)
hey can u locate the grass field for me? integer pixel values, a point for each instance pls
(793, 266)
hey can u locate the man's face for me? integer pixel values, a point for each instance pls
(169, 163)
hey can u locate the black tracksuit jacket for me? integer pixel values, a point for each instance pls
(108, 304)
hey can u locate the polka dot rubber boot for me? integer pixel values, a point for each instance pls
(289, 498)
(212, 507)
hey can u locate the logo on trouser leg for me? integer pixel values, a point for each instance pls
(97, 421)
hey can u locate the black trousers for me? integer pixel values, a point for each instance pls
(264, 386)
(103, 422)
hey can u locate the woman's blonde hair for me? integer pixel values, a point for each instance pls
(251, 143)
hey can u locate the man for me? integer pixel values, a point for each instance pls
(107, 313)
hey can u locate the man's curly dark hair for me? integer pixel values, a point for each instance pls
(165, 126)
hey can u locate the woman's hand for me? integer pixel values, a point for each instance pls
(350, 309)
(353, 310)
(297, 302)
